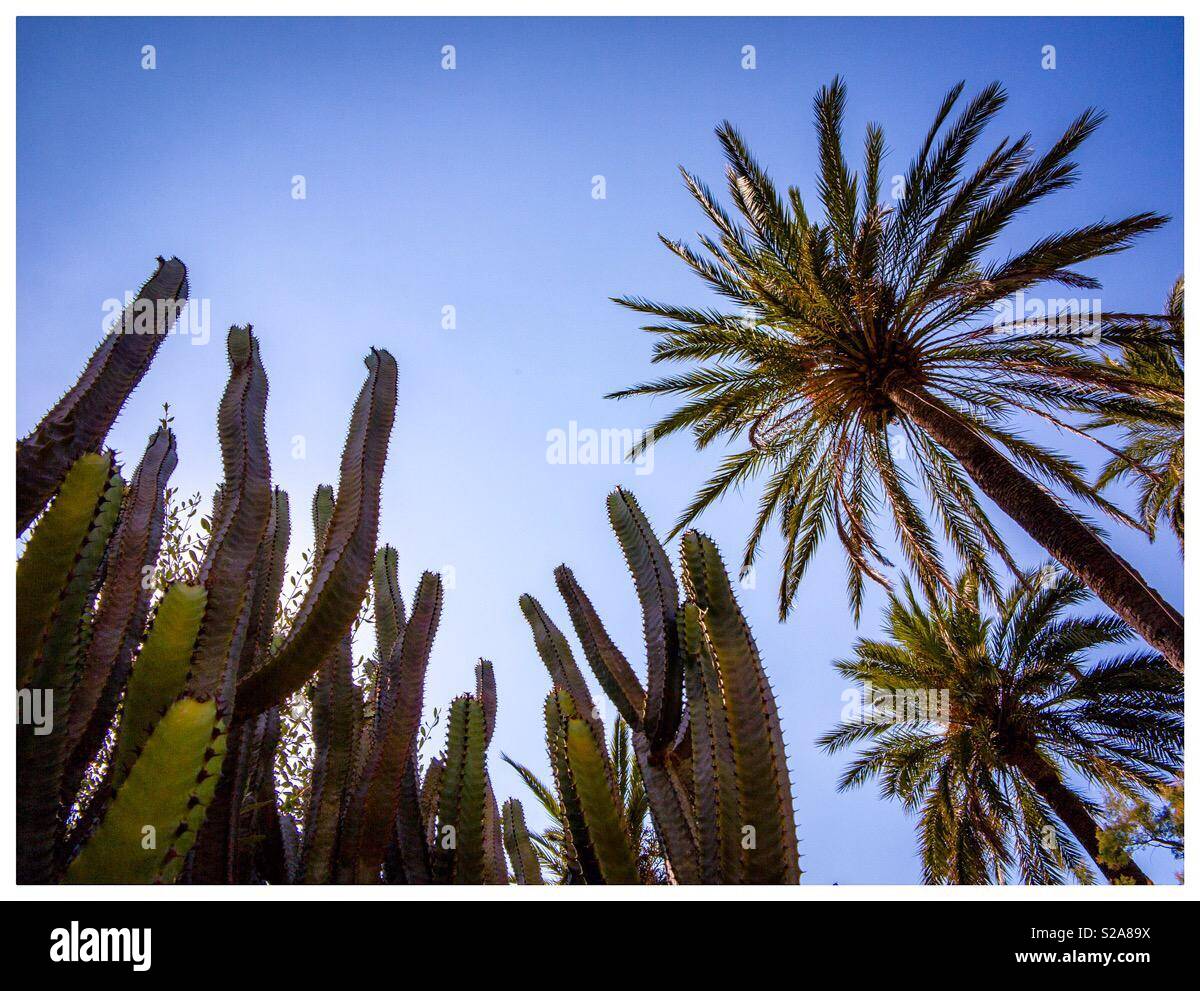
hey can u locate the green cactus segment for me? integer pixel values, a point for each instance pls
(160, 671)
(485, 691)
(121, 614)
(389, 603)
(408, 860)
(670, 808)
(593, 783)
(556, 654)
(340, 583)
(495, 869)
(608, 664)
(322, 516)
(268, 582)
(152, 821)
(214, 853)
(729, 819)
(766, 825)
(459, 849)
(582, 865)
(239, 528)
(60, 657)
(390, 618)
(521, 854)
(48, 566)
(369, 826)
(81, 419)
(85, 518)
(431, 791)
(335, 727)
(256, 838)
(717, 785)
(713, 769)
(659, 597)
(703, 759)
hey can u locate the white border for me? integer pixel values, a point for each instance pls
(747, 8)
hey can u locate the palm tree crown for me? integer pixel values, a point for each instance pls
(1152, 458)
(862, 332)
(988, 773)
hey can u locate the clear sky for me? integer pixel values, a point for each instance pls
(473, 188)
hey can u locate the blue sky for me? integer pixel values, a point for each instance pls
(472, 188)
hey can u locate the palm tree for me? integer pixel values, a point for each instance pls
(550, 844)
(1152, 350)
(862, 332)
(986, 764)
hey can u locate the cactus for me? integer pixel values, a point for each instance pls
(518, 844)
(458, 852)
(591, 778)
(163, 797)
(371, 818)
(160, 763)
(737, 692)
(166, 694)
(239, 523)
(159, 675)
(80, 420)
(56, 583)
(121, 614)
(340, 581)
(705, 730)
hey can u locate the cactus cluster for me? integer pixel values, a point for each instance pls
(705, 727)
(162, 706)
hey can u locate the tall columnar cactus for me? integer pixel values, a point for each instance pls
(155, 759)
(81, 419)
(238, 526)
(158, 763)
(705, 730)
(121, 614)
(376, 795)
(519, 846)
(459, 848)
(340, 582)
(749, 755)
(56, 585)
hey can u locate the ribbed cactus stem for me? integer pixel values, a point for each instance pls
(339, 582)
(56, 583)
(335, 724)
(658, 595)
(521, 854)
(458, 851)
(607, 829)
(768, 848)
(121, 614)
(372, 814)
(238, 530)
(81, 419)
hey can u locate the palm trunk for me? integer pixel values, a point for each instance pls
(1074, 814)
(1072, 543)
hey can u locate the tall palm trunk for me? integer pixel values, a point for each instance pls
(1073, 544)
(1074, 814)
